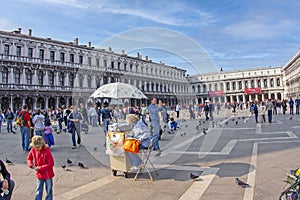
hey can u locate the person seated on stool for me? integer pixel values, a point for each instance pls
(140, 132)
(172, 125)
(6, 185)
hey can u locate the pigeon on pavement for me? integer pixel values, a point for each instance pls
(81, 165)
(241, 183)
(8, 161)
(69, 161)
(193, 176)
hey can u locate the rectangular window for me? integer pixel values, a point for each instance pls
(42, 54)
(71, 58)
(6, 50)
(97, 62)
(62, 57)
(5, 76)
(80, 59)
(125, 66)
(52, 56)
(105, 63)
(89, 61)
(30, 52)
(119, 65)
(112, 64)
(18, 51)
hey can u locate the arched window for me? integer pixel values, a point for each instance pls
(246, 84)
(227, 86)
(204, 88)
(198, 89)
(89, 80)
(233, 86)
(216, 86)
(258, 83)
(80, 79)
(5, 76)
(17, 76)
(51, 78)
(71, 80)
(252, 84)
(240, 85)
(40, 77)
(278, 82)
(29, 76)
(61, 79)
(265, 83)
(222, 86)
(272, 82)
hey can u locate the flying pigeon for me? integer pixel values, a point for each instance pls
(193, 176)
(8, 161)
(69, 161)
(81, 165)
(241, 183)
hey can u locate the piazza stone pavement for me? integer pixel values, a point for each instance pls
(234, 146)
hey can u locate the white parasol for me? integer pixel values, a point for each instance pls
(118, 91)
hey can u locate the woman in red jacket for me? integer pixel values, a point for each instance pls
(41, 160)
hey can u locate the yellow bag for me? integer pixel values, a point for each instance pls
(131, 145)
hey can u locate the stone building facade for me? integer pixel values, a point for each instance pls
(291, 76)
(239, 85)
(47, 73)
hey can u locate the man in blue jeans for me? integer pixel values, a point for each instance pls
(25, 128)
(155, 122)
(9, 116)
(106, 117)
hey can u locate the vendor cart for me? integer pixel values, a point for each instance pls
(119, 159)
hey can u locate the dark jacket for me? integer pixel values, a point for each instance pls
(4, 172)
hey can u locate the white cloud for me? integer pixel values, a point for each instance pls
(258, 28)
(175, 14)
(6, 24)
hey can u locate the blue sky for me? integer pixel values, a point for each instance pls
(235, 34)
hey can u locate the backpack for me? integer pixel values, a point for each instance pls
(20, 120)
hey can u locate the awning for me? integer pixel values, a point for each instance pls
(252, 90)
(216, 93)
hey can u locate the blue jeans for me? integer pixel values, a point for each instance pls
(40, 133)
(40, 189)
(106, 123)
(9, 125)
(270, 116)
(94, 119)
(25, 137)
(156, 126)
(75, 130)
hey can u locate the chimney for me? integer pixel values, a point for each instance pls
(123, 52)
(29, 32)
(20, 30)
(109, 49)
(90, 44)
(146, 58)
(76, 41)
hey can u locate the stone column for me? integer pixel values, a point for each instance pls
(46, 102)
